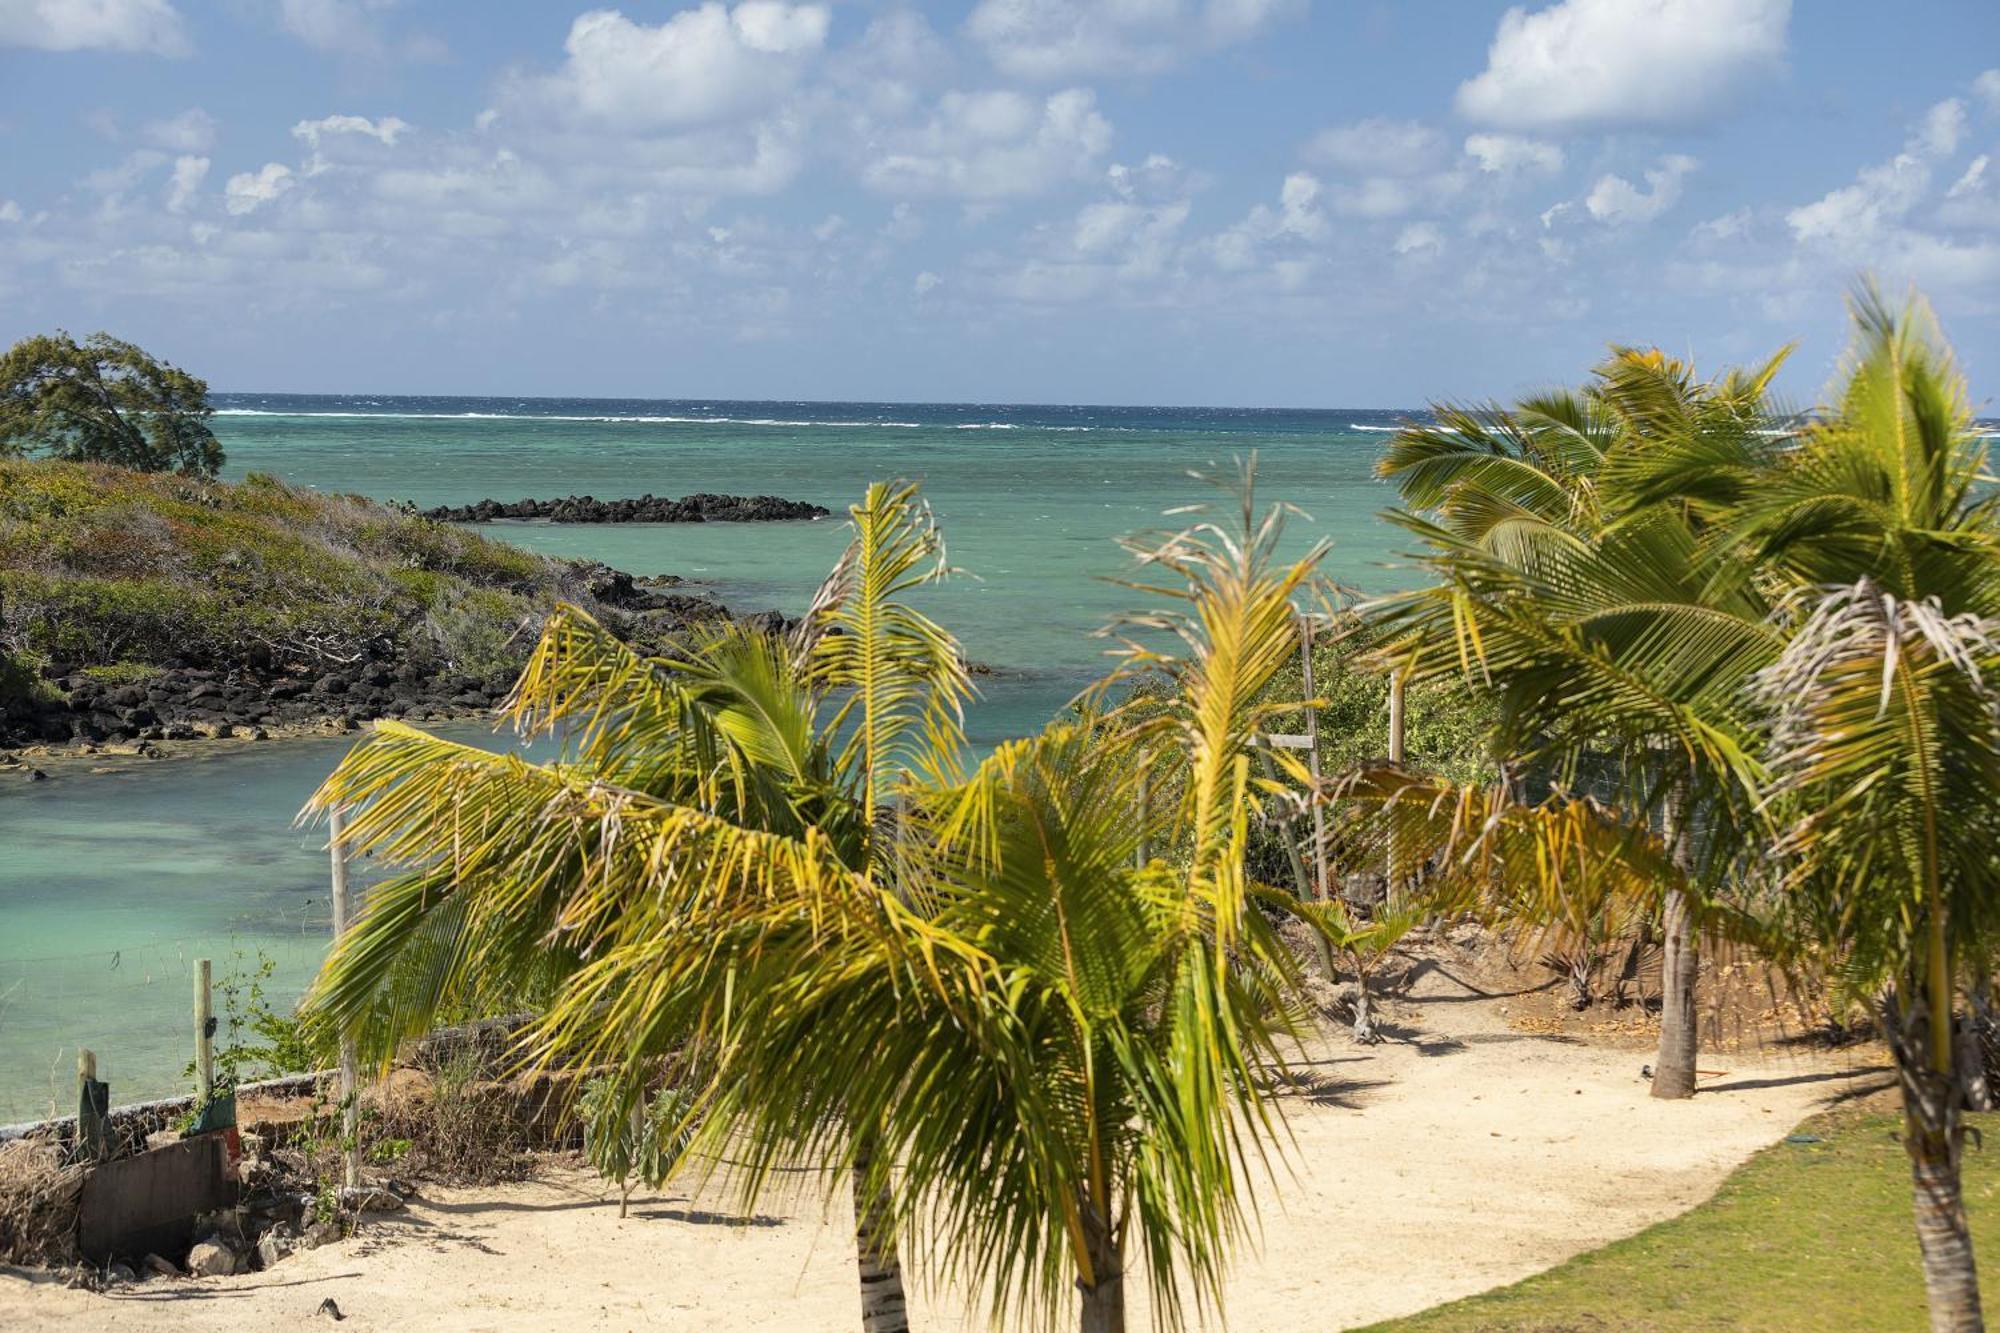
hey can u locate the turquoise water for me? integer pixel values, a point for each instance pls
(112, 883)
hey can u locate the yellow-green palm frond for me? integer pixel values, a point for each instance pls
(1104, 1078)
(514, 868)
(1478, 468)
(1885, 753)
(1235, 625)
(726, 725)
(900, 676)
(1888, 484)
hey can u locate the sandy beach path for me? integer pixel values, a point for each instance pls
(1461, 1157)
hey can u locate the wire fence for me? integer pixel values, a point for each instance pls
(131, 1004)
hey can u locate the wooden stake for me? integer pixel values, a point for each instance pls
(204, 1034)
(1395, 757)
(1312, 756)
(350, 1108)
(93, 1110)
(1145, 852)
(1396, 718)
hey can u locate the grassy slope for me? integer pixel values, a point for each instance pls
(99, 566)
(1803, 1236)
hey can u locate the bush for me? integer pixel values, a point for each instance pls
(102, 567)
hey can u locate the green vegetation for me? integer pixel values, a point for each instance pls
(1737, 669)
(104, 401)
(634, 1144)
(121, 573)
(1806, 1235)
(760, 871)
(1769, 655)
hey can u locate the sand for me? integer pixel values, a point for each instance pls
(1462, 1156)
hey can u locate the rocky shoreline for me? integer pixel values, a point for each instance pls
(89, 716)
(699, 508)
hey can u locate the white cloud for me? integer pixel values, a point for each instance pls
(1512, 155)
(1420, 238)
(1157, 179)
(250, 190)
(1728, 227)
(1942, 130)
(1584, 63)
(1987, 87)
(1618, 202)
(9, 211)
(338, 27)
(1297, 218)
(700, 66)
(993, 145)
(1067, 39)
(385, 131)
(152, 26)
(1377, 147)
(192, 131)
(1377, 197)
(1974, 198)
(189, 172)
(926, 283)
(1855, 218)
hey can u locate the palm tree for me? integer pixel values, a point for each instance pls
(1885, 746)
(684, 786)
(1034, 1057)
(1613, 630)
(1861, 713)
(1064, 1051)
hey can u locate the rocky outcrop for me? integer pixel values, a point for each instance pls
(252, 701)
(701, 508)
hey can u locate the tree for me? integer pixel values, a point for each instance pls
(1885, 745)
(1032, 1056)
(104, 401)
(1614, 631)
(1861, 714)
(1065, 1049)
(684, 792)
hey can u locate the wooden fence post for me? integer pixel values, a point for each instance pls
(93, 1110)
(1145, 850)
(1395, 757)
(204, 1034)
(350, 1106)
(1311, 690)
(1396, 717)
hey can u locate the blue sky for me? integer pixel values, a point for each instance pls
(1264, 202)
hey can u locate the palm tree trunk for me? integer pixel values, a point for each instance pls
(1364, 1014)
(1104, 1298)
(1680, 959)
(881, 1272)
(1934, 1134)
(1680, 962)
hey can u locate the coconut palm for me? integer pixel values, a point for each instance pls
(1885, 749)
(680, 787)
(1613, 630)
(1035, 1059)
(1063, 1050)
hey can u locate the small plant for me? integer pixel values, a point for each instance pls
(257, 1041)
(634, 1141)
(387, 1152)
(1360, 942)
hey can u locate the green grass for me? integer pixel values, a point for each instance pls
(1802, 1236)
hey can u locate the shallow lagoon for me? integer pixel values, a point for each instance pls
(112, 883)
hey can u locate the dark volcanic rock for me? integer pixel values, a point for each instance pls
(699, 508)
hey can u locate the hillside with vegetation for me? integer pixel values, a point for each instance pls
(149, 606)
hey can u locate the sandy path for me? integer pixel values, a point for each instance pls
(1424, 1170)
